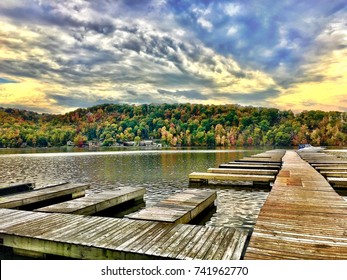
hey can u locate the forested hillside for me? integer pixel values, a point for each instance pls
(173, 125)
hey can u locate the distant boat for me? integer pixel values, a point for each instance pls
(309, 148)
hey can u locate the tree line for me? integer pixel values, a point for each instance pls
(173, 125)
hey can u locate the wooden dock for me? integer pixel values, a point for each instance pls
(257, 160)
(16, 188)
(259, 169)
(89, 237)
(338, 182)
(302, 218)
(180, 208)
(243, 171)
(95, 203)
(336, 173)
(249, 166)
(204, 178)
(241, 163)
(330, 166)
(28, 200)
(268, 157)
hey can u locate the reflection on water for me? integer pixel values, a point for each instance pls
(162, 172)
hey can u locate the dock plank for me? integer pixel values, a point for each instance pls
(337, 181)
(230, 177)
(259, 160)
(340, 174)
(199, 244)
(243, 171)
(233, 252)
(208, 243)
(178, 208)
(249, 166)
(40, 195)
(277, 164)
(95, 203)
(149, 242)
(185, 241)
(216, 244)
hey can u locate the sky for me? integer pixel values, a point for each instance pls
(56, 56)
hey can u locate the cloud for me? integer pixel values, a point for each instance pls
(79, 100)
(232, 9)
(309, 103)
(111, 57)
(232, 31)
(6, 81)
(169, 51)
(257, 98)
(205, 24)
(267, 35)
(189, 94)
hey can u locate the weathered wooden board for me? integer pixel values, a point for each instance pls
(337, 181)
(95, 203)
(274, 157)
(39, 195)
(332, 168)
(90, 237)
(324, 161)
(178, 208)
(230, 177)
(249, 166)
(243, 171)
(302, 218)
(254, 163)
(330, 173)
(259, 160)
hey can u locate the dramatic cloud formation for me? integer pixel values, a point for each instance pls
(56, 56)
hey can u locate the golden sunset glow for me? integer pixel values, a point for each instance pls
(61, 56)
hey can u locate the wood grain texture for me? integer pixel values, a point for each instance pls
(95, 203)
(90, 237)
(178, 208)
(39, 195)
(302, 218)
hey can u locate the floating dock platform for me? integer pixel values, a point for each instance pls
(330, 166)
(330, 173)
(95, 203)
(205, 177)
(243, 171)
(180, 208)
(29, 200)
(302, 218)
(338, 182)
(259, 169)
(88, 237)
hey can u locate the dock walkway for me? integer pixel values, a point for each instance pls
(95, 203)
(26, 200)
(179, 208)
(302, 218)
(90, 237)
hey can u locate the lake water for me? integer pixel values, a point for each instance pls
(161, 172)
